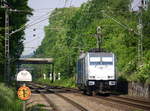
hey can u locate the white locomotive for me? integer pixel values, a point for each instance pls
(96, 72)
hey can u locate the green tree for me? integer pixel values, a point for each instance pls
(17, 19)
(119, 27)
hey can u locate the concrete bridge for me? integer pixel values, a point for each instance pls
(37, 61)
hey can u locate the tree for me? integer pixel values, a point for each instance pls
(78, 30)
(16, 21)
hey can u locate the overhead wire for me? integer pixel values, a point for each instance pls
(43, 20)
(120, 23)
(29, 41)
(46, 14)
(41, 9)
(31, 47)
(117, 21)
(40, 21)
(65, 3)
(71, 3)
(34, 23)
(29, 25)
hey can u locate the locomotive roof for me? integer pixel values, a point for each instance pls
(95, 54)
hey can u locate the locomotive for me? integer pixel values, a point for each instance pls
(96, 72)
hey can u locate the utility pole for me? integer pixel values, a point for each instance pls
(7, 52)
(140, 32)
(99, 37)
(7, 7)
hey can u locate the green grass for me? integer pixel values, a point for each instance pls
(38, 107)
(65, 82)
(8, 99)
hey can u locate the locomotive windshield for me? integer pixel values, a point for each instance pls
(101, 61)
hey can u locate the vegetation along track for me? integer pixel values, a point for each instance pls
(131, 102)
(43, 89)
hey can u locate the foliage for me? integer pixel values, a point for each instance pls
(119, 27)
(8, 99)
(37, 107)
(16, 20)
(1, 49)
(54, 45)
(142, 74)
(65, 82)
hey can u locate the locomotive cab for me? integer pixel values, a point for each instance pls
(96, 72)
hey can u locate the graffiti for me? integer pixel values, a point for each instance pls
(139, 89)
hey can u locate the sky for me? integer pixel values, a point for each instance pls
(42, 9)
(135, 5)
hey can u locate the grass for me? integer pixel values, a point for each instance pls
(38, 107)
(65, 82)
(8, 99)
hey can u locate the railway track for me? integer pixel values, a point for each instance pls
(139, 104)
(131, 102)
(43, 89)
(140, 101)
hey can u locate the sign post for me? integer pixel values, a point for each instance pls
(24, 105)
(24, 92)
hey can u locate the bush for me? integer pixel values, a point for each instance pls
(65, 82)
(8, 101)
(142, 74)
(130, 67)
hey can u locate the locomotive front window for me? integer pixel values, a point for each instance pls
(107, 63)
(101, 63)
(95, 63)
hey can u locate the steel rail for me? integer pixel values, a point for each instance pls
(75, 104)
(130, 103)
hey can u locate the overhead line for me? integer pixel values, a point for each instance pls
(71, 2)
(121, 24)
(31, 40)
(39, 17)
(37, 22)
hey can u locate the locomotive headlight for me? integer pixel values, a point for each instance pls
(92, 77)
(110, 77)
(91, 83)
(112, 83)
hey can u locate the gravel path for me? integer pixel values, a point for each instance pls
(59, 104)
(89, 103)
(37, 99)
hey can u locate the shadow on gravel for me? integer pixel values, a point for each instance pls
(104, 95)
(49, 91)
(37, 107)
